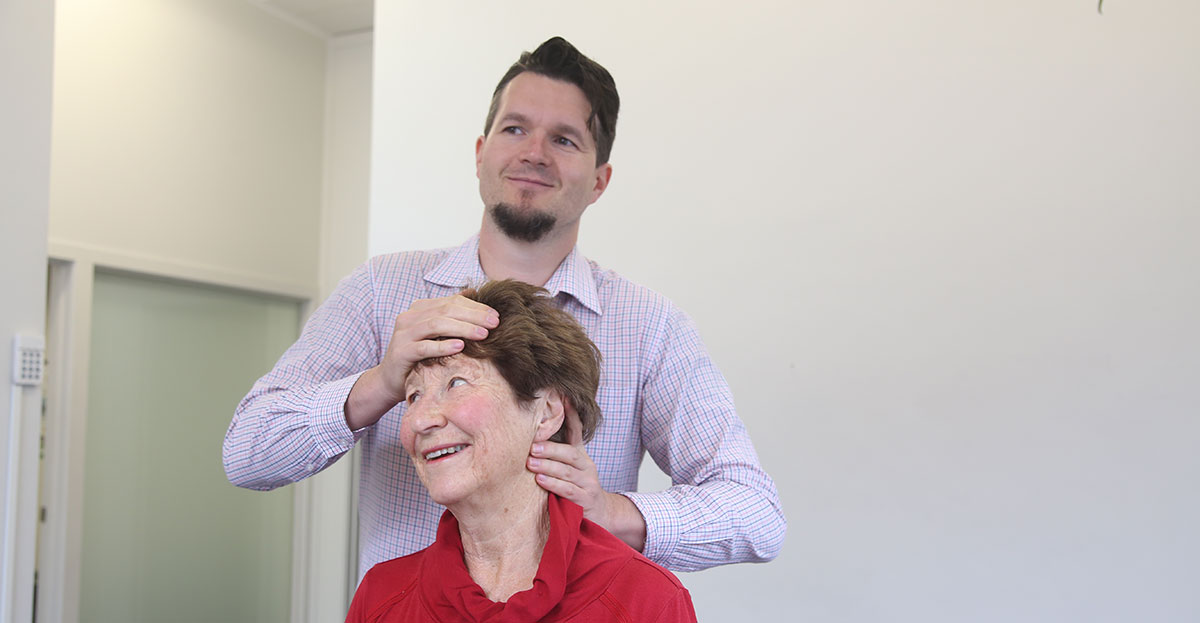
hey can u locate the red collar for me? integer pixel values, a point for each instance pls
(447, 587)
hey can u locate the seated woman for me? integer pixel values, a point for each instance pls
(506, 550)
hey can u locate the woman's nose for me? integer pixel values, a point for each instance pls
(426, 416)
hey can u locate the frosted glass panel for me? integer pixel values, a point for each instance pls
(165, 536)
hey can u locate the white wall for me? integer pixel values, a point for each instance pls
(189, 142)
(190, 132)
(944, 252)
(347, 165)
(26, 56)
(334, 556)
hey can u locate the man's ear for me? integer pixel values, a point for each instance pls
(552, 409)
(478, 153)
(603, 176)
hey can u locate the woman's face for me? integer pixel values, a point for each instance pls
(465, 432)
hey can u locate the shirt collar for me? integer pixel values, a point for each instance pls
(461, 268)
(448, 590)
(573, 276)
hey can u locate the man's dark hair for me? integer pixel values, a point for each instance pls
(536, 347)
(558, 59)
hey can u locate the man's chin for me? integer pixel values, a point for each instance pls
(524, 224)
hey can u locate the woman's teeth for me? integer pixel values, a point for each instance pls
(443, 452)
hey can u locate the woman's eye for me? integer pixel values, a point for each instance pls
(456, 381)
(413, 397)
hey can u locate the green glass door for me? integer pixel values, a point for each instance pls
(165, 536)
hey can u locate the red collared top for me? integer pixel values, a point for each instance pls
(586, 574)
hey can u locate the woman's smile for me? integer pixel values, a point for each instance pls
(444, 452)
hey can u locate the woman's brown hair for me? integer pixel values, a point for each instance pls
(536, 347)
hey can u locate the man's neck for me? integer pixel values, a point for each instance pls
(502, 257)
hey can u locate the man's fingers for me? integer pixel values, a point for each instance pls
(567, 471)
(574, 425)
(429, 349)
(561, 488)
(442, 318)
(433, 328)
(442, 326)
(458, 307)
(561, 453)
(561, 470)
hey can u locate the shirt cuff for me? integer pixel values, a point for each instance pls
(661, 513)
(333, 435)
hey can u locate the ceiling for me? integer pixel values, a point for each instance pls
(327, 17)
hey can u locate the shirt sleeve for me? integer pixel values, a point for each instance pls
(292, 424)
(722, 508)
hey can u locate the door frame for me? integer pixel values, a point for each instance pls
(323, 569)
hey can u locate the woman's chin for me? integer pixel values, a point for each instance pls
(449, 492)
(445, 496)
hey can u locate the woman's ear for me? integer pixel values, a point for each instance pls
(552, 408)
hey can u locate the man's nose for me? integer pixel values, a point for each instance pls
(535, 150)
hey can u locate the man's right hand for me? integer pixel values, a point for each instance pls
(415, 337)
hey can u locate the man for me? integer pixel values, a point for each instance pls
(542, 160)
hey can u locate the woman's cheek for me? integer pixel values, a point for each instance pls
(473, 414)
(406, 436)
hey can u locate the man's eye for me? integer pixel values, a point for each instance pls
(456, 381)
(564, 141)
(413, 397)
(512, 129)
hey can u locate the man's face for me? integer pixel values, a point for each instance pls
(537, 166)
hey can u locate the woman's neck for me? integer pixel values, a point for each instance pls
(503, 541)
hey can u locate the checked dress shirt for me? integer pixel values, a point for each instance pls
(659, 393)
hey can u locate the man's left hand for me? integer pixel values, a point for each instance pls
(566, 470)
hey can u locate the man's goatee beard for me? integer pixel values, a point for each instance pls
(528, 226)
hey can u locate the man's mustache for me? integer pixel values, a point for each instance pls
(531, 173)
